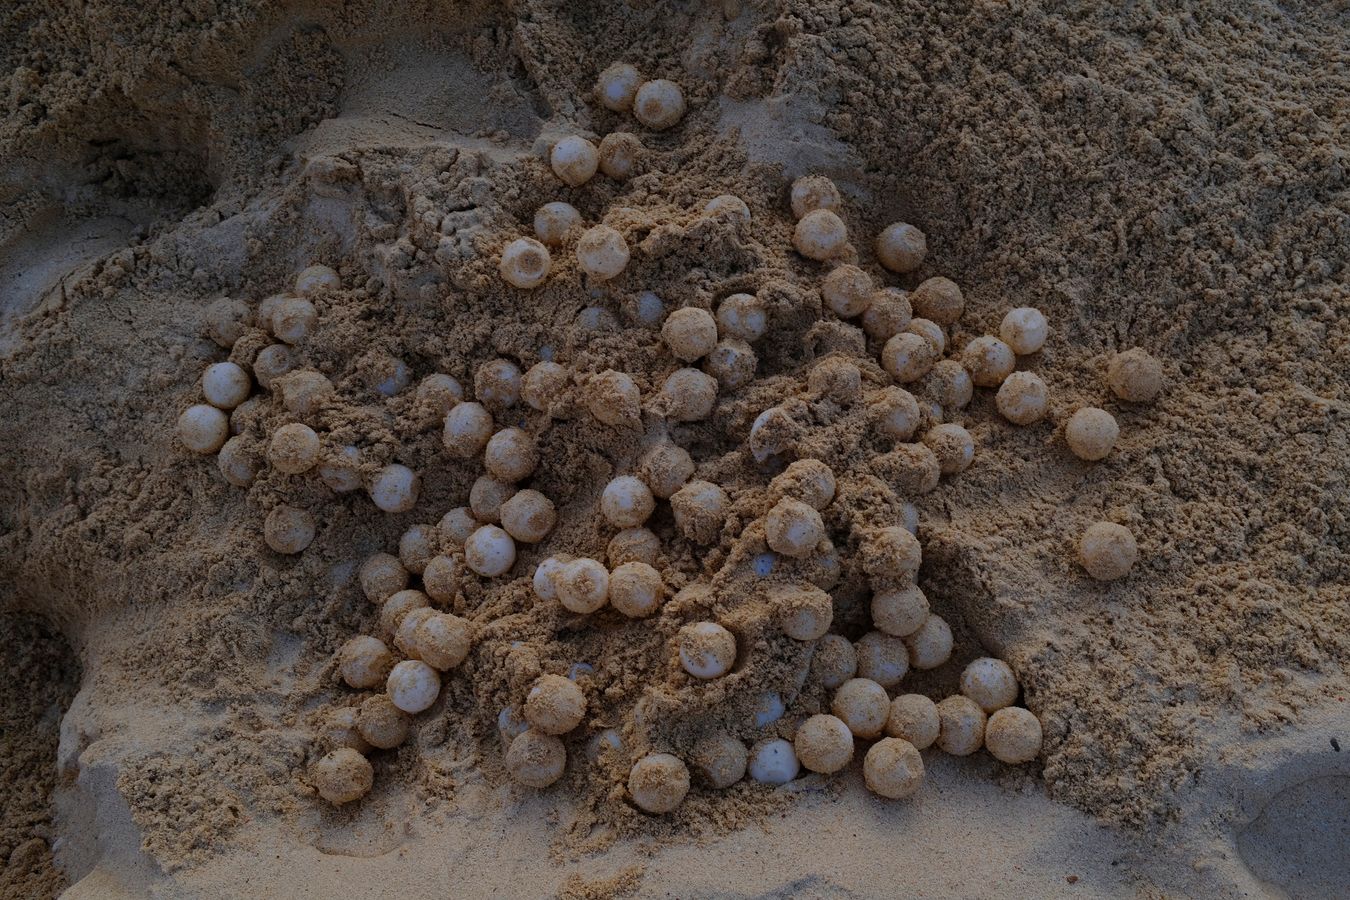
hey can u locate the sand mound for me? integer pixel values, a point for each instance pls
(1175, 182)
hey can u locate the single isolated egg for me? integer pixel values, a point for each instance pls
(862, 704)
(364, 662)
(835, 379)
(930, 331)
(633, 545)
(225, 385)
(793, 528)
(226, 320)
(896, 413)
(271, 363)
(525, 263)
(1013, 735)
(820, 235)
(804, 612)
(616, 87)
(707, 650)
(636, 589)
(626, 502)
(288, 530)
(931, 645)
(939, 300)
(304, 392)
(574, 160)
(988, 360)
(613, 399)
(413, 686)
(417, 546)
(582, 586)
(444, 577)
(511, 455)
(773, 761)
(1091, 433)
(914, 718)
(1134, 376)
(901, 247)
(658, 783)
(343, 776)
(497, 383)
(813, 192)
(949, 384)
(338, 730)
(907, 357)
(486, 497)
(990, 683)
(535, 759)
(443, 640)
(648, 309)
(237, 462)
(824, 744)
(619, 155)
(381, 723)
(834, 661)
(1024, 329)
(882, 658)
(847, 291)
(888, 313)
(891, 552)
(1023, 398)
(961, 730)
(893, 768)
(666, 467)
(1108, 551)
(340, 469)
(899, 611)
(658, 104)
(732, 363)
(294, 449)
(489, 551)
(457, 525)
(690, 333)
(808, 480)
(394, 488)
(721, 759)
(545, 588)
(700, 510)
(294, 319)
(952, 445)
(381, 577)
(203, 428)
(727, 206)
(555, 223)
(407, 627)
(528, 516)
(555, 705)
(316, 279)
(602, 253)
(468, 427)
(913, 468)
(544, 385)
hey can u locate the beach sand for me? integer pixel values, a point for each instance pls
(1173, 181)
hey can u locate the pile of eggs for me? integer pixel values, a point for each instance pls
(418, 643)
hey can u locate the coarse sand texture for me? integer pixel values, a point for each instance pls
(807, 437)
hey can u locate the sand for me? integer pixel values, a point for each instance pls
(1174, 181)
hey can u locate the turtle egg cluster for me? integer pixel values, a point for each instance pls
(756, 564)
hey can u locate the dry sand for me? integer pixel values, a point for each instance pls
(1172, 180)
